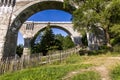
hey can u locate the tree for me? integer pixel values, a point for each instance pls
(87, 17)
(112, 17)
(115, 35)
(90, 13)
(47, 40)
(19, 50)
(68, 43)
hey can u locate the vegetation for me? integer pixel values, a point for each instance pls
(57, 70)
(66, 41)
(50, 42)
(89, 14)
(88, 75)
(115, 74)
(19, 50)
(45, 72)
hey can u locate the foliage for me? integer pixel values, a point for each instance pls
(114, 10)
(35, 48)
(47, 40)
(50, 41)
(19, 50)
(115, 34)
(84, 40)
(90, 13)
(88, 75)
(66, 41)
(115, 73)
(116, 48)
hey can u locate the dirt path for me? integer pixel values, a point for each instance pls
(103, 68)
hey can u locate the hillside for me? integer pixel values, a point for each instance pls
(75, 67)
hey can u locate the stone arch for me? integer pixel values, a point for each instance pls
(20, 15)
(55, 26)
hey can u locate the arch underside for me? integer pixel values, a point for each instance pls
(24, 14)
(58, 27)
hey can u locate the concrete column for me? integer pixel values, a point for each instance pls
(27, 46)
(4, 26)
(10, 44)
(3, 33)
(76, 40)
(92, 43)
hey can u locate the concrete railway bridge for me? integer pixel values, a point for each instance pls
(14, 13)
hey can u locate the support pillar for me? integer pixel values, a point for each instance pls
(76, 40)
(92, 41)
(3, 32)
(26, 50)
(8, 38)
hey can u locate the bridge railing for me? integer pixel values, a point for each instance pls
(12, 64)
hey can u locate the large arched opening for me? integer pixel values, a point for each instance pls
(22, 14)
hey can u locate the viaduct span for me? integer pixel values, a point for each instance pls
(30, 28)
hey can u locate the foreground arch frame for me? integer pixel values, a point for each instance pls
(14, 16)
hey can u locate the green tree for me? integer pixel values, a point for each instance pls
(19, 50)
(113, 19)
(115, 35)
(68, 43)
(47, 40)
(92, 12)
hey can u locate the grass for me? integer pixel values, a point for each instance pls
(115, 73)
(57, 70)
(89, 75)
(42, 73)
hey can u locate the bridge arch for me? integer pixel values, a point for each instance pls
(21, 13)
(30, 29)
(56, 26)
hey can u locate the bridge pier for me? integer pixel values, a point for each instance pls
(3, 32)
(76, 40)
(27, 46)
(8, 37)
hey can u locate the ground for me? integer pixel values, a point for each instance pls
(102, 65)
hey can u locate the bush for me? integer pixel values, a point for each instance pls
(116, 48)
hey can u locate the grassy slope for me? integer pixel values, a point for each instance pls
(57, 70)
(53, 71)
(115, 73)
(89, 75)
(42, 73)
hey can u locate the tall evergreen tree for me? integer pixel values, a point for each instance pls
(47, 40)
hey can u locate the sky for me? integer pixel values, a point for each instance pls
(49, 16)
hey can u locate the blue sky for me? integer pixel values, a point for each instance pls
(49, 15)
